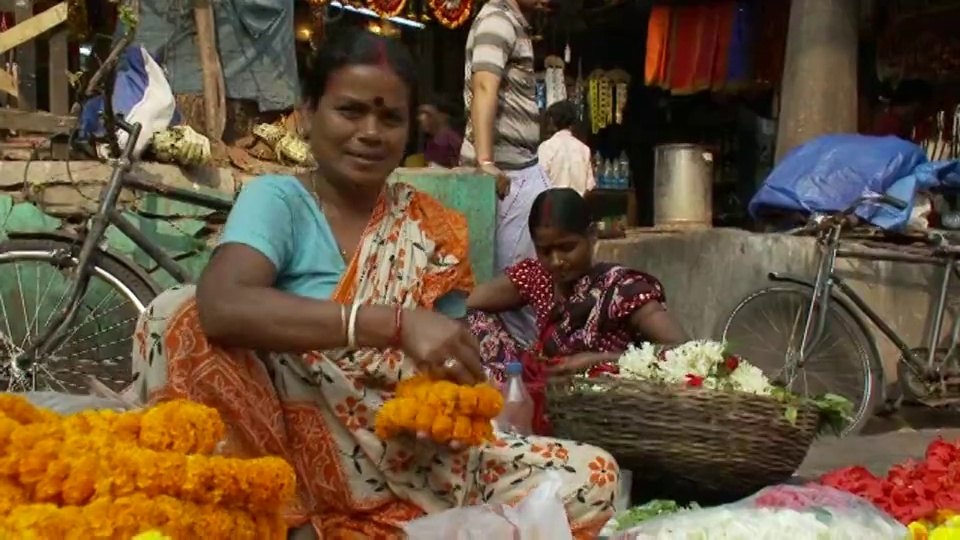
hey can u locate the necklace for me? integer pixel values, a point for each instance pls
(316, 197)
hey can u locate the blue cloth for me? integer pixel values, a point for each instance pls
(831, 172)
(255, 40)
(278, 217)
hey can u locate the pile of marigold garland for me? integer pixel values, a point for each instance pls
(103, 474)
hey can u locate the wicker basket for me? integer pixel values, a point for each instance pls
(711, 441)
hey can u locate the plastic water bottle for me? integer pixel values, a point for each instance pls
(624, 179)
(517, 413)
(613, 177)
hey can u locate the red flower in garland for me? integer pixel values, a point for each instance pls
(695, 381)
(731, 363)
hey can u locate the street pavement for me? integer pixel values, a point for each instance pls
(884, 442)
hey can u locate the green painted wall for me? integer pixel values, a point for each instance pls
(184, 231)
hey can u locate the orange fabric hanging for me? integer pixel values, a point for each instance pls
(658, 41)
(709, 41)
(728, 12)
(684, 45)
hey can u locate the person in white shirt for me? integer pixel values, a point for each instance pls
(565, 159)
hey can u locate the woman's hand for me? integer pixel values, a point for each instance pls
(441, 346)
(503, 181)
(581, 362)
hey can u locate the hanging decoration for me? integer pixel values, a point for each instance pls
(620, 80)
(601, 100)
(452, 13)
(556, 84)
(580, 92)
(387, 8)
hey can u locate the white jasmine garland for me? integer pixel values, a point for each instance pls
(701, 363)
(764, 524)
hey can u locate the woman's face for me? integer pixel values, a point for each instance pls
(359, 130)
(567, 256)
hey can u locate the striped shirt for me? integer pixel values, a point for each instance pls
(499, 43)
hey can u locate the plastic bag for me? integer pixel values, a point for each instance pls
(830, 172)
(795, 512)
(100, 397)
(539, 516)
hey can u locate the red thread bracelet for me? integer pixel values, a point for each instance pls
(397, 326)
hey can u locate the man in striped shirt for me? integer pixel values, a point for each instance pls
(503, 129)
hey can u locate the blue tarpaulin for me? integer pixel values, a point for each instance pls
(831, 172)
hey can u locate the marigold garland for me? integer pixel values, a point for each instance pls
(445, 411)
(126, 517)
(103, 474)
(451, 13)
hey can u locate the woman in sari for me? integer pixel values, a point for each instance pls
(588, 313)
(324, 292)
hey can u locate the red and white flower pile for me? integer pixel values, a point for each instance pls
(702, 363)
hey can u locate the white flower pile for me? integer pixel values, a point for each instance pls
(703, 360)
(764, 524)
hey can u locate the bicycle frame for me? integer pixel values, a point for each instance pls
(108, 214)
(827, 279)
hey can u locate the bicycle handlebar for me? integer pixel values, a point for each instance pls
(824, 222)
(133, 133)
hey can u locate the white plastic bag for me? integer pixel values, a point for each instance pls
(795, 512)
(539, 516)
(101, 397)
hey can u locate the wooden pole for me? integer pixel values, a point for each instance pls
(214, 90)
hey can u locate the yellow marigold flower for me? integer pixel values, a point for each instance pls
(18, 409)
(943, 515)
(182, 426)
(944, 533)
(424, 421)
(442, 428)
(11, 496)
(128, 517)
(442, 409)
(406, 387)
(918, 531)
(152, 535)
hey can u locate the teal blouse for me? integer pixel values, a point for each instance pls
(278, 217)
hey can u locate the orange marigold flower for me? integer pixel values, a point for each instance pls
(21, 411)
(442, 409)
(442, 429)
(182, 426)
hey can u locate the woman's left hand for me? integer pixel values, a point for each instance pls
(581, 362)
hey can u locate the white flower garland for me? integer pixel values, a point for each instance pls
(701, 363)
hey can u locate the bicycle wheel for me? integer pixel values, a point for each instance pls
(35, 278)
(766, 329)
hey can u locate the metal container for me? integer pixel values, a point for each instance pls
(683, 186)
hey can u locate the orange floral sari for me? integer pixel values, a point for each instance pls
(317, 410)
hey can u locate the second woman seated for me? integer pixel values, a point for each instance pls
(588, 312)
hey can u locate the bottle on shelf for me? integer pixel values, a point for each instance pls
(613, 177)
(624, 171)
(517, 414)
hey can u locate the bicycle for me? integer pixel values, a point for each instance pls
(80, 263)
(826, 314)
